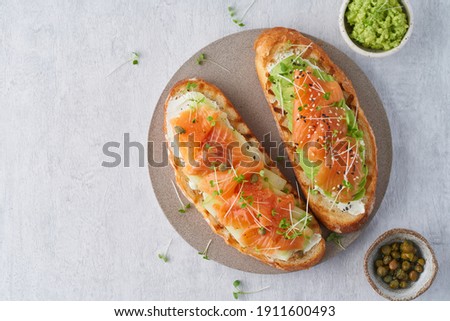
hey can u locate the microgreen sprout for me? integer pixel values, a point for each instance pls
(134, 59)
(202, 58)
(232, 13)
(184, 207)
(163, 256)
(190, 86)
(239, 292)
(336, 238)
(204, 254)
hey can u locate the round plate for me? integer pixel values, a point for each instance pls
(240, 84)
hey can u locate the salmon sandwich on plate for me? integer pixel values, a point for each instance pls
(222, 169)
(327, 136)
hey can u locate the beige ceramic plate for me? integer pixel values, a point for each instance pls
(241, 86)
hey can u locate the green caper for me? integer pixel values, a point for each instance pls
(413, 276)
(387, 279)
(382, 271)
(395, 254)
(401, 275)
(403, 284)
(222, 167)
(393, 265)
(386, 250)
(394, 284)
(418, 268)
(254, 178)
(378, 263)
(387, 259)
(179, 130)
(395, 247)
(406, 266)
(407, 247)
(421, 261)
(414, 259)
(407, 256)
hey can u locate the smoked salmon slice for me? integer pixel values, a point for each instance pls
(232, 179)
(320, 129)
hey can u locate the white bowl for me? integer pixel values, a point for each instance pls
(426, 278)
(372, 53)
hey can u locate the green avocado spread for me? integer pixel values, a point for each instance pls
(377, 24)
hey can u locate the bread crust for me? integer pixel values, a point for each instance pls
(267, 45)
(310, 258)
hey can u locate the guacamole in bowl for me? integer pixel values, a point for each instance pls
(376, 24)
(376, 28)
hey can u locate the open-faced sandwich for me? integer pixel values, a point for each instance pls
(327, 136)
(221, 168)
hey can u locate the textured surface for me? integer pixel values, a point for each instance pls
(72, 229)
(249, 101)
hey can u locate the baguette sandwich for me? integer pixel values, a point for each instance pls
(221, 168)
(327, 136)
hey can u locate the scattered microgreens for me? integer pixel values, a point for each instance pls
(232, 13)
(163, 256)
(245, 200)
(274, 212)
(239, 292)
(204, 254)
(211, 120)
(240, 178)
(184, 207)
(190, 86)
(336, 238)
(346, 184)
(202, 59)
(327, 95)
(134, 59)
(289, 231)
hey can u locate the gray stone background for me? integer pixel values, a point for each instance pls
(71, 229)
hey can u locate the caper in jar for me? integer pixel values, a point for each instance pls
(421, 261)
(407, 247)
(386, 250)
(395, 254)
(378, 263)
(418, 268)
(394, 284)
(387, 279)
(413, 276)
(393, 265)
(407, 256)
(406, 266)
(382, 271)
(387, 259)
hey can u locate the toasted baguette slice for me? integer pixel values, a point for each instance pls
(269, 45)
(298, 260)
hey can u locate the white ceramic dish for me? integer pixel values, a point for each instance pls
(426, 277)
(344, 28)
